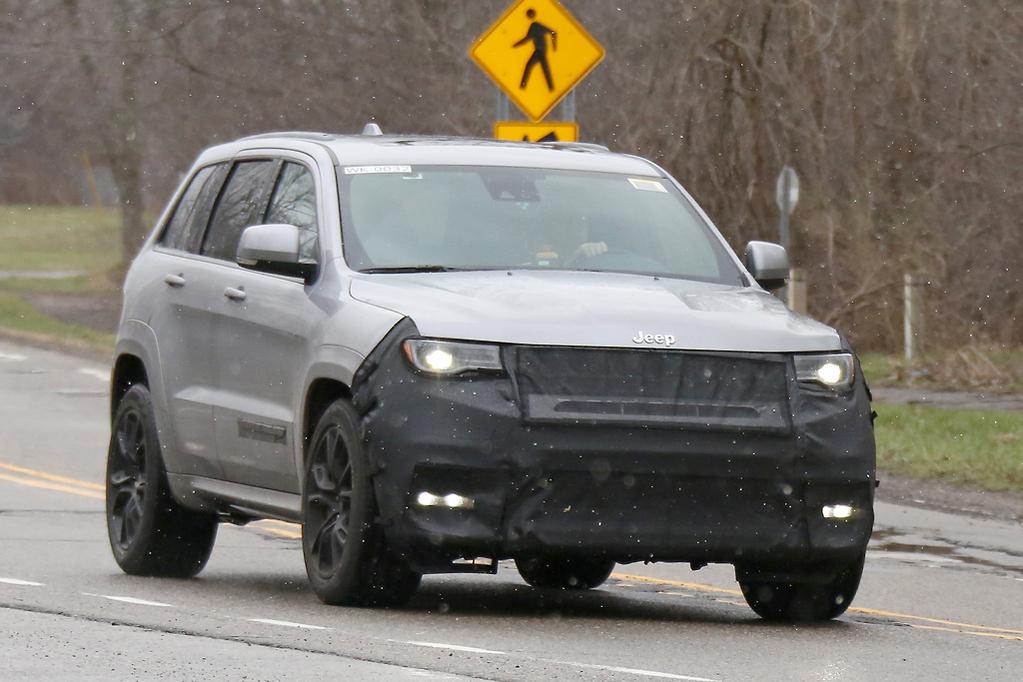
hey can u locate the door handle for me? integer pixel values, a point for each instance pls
(174, 280)
(235, 294)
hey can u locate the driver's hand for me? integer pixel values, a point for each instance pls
(591, 249)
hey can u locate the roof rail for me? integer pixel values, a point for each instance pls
(372, 129)
(576, 146)
(294, 134)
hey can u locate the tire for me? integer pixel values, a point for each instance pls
(564, 573)
(149, 532)
(804, 602)
(345, 552)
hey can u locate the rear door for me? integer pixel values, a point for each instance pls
(183, 326)
(262, 326)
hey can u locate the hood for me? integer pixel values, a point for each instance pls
(605, 310)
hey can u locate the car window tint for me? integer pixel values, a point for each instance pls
(176, 235)
(240, 205)
(294, 203)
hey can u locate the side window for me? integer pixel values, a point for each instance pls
(193, 209)
(241, 204)
(294, 203)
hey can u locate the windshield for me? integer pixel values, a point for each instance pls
(401, 218)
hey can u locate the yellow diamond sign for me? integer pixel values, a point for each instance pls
(536, 52)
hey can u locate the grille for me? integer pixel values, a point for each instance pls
(655, 388)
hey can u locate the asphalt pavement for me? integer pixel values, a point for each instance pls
(941, 598)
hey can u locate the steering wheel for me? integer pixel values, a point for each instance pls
(616, 258)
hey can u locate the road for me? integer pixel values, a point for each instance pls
(942, 595)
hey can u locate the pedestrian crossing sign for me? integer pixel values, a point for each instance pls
(546, 131)
(536, 52)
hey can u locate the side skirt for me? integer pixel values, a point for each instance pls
(240, 502)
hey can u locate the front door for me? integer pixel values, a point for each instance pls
(262, 327)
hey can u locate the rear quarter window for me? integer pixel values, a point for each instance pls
(185, 228)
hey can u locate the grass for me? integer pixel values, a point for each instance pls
(19, 318)
(989, 368)
(982, 449)
(72, 239)
(49, 238)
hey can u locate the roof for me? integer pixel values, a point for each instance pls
(354, 150)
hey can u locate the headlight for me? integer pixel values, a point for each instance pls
(448, 358)
(834, 370)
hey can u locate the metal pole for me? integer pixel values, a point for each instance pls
(503, 106)
(783, 229)
(786, 209)
(566, 110)
(907, 315)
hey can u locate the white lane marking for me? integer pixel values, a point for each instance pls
(100, 374)
(23, 583)
(593, 666)
(128, 600)
(457, 647)
(638, 671)
(286, 623)
(12, 357)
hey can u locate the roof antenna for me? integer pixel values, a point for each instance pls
(372, 129)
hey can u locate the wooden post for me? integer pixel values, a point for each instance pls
(912, 315)
(90, 178)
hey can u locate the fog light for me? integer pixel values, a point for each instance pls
(451, 500)
(458, 502)
(425, 499)
(836, 511)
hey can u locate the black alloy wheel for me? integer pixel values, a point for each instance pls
(149, 532)
(346, 555)
(126, 476)
(329, 501)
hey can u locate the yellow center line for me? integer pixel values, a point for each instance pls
(283, 524)
(51, 477)
(46, 485)
(1015, 638)
(1005, 633)
(294, 535)
(698, 587)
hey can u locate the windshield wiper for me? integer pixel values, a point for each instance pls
(413, 268)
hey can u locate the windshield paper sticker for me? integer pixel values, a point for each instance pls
(365, 170)
(647, 185)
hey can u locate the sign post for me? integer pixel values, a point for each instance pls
(786, 194)
(536, 53)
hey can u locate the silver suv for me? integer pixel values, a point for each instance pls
(437, 353)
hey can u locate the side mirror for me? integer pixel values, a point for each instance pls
(274, 249)
(768, 263)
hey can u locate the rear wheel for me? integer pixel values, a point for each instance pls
(346, 556)
(804, 601)
(150, 533)
(566, 573)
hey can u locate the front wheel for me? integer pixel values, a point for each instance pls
(150, 533)
(346, 556)
(804, 601)
(565, 573)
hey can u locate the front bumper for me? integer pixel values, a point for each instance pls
(628, 492)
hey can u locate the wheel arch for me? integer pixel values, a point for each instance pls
(320, 394)
(129, 369)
